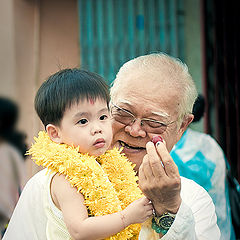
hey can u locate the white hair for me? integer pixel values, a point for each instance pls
(172, 72)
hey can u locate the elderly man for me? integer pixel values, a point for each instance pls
(153, 95)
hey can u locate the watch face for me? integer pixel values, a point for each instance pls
(166, 222)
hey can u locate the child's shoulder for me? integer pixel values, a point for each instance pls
(62, 190)
(38, 178)
(38, 181)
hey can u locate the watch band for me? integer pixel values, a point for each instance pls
(163, 223)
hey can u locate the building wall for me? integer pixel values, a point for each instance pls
(37, 39)
(7, 50)
(59, 44)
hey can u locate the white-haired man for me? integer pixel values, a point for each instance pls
(153, 95)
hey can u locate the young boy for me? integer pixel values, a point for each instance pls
(73, 106)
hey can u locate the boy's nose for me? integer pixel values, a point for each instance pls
(96, 129)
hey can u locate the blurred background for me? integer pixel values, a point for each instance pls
(39, 37)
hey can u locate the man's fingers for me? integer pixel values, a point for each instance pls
(147, 168)
(154, 160)
(141, 174)
(169, 165)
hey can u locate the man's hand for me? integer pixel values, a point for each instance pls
(159, 179)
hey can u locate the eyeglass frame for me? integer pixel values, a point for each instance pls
(164, 125)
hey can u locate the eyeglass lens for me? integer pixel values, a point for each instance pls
(127, 118)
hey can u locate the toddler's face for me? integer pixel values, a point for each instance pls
(87, 125)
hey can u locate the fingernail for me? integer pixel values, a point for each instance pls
(158, 143)
(157, 139)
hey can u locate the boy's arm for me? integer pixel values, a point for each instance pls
(75, 214)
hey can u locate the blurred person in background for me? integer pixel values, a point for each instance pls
(200, 158)
(12, 167)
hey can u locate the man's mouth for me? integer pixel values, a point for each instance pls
(125, 145)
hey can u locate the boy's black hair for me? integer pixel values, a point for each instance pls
(65, 88)
(198, 108)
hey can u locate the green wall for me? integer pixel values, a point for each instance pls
(193, 47)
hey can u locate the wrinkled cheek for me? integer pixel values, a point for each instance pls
(115, 129)
(116, 126)
(170, 138)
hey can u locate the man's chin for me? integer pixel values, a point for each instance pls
(135, 156)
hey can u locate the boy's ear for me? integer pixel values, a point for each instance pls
(54, 133)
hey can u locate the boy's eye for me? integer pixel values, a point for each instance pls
(103, 117)
(83, 121)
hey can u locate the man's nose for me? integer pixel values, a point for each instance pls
(135, 129)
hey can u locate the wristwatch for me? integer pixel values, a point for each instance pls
(162, 223)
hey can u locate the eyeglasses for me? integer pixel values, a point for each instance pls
(127, 118)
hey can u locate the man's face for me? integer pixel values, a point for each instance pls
(144, 97)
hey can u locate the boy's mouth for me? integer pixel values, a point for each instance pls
(100, 142)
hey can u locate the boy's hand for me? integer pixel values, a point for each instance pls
(138, 211)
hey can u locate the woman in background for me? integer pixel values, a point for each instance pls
(12, 154)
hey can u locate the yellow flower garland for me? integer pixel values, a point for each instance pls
(107, 182)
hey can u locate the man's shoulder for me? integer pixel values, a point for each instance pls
(192, 191)
(188, 184)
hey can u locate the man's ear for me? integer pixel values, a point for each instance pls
(185, 123)
(54, 133)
